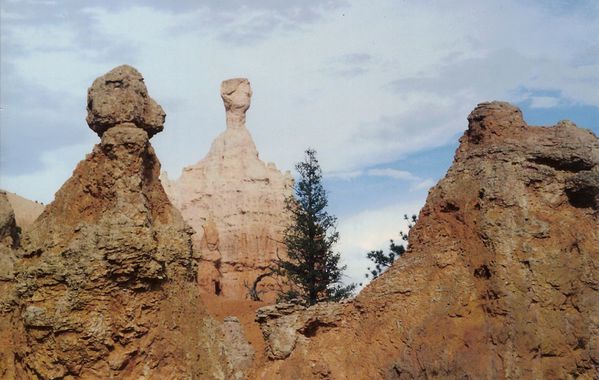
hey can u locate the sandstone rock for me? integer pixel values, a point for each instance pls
(236, 94)
(8, 227)
(120, 96)
(106, 282)
(26, 211)
(500, 279)
(239, 352)
(283, 325)
(583, 188)
(9, 241)
(236, 204)
(494, 119)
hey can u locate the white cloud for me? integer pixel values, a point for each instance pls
(364, 85)
(416, 183)
(423, 184)
(57, 167)
(345, 175)
(371, 230)
(543, 101)
(392, 173)
(53, 37)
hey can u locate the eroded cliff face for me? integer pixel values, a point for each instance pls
(9, 244)
(236, 204)
(106, 282)
(500, 280)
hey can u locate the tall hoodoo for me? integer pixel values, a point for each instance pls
(500, 279)
(107, 280)
(236, 204)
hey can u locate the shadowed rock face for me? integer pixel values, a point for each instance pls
(8, 227)
(236, 204)
(500, 280)
(106, 282)
(9, 242)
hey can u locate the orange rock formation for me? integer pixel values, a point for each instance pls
(500, 280)
(106, 281)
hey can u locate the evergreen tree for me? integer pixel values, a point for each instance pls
(382, 261)
(312, 266)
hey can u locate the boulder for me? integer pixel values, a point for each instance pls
(121, 96)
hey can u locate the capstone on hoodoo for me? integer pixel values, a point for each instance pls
(106, 283)
(120, 96)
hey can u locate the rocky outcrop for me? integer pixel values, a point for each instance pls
(240, 353)
(236, 204)
(286, 325)
(9, 243)
(501, 277)
(119, 97)
(9, 234)
(106, 283)
(26, 211)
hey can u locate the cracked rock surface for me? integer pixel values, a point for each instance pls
(501, 276)
(106, 280)
(121, 96)
(9, 245)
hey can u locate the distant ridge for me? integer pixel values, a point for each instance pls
(26, 210)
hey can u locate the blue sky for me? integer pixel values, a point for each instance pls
(381, 90)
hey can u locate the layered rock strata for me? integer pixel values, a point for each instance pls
(106, 283)
(236, 204)
(500, 280)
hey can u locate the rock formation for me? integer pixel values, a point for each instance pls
(236, 204)
(285, 326)
(25, 210)
(9, 234)
(240, 353)
(9, 242)
(120, 97)
(106, 283)
(500, 279)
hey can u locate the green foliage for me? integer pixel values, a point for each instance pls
(382, 261)
(312, 266)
